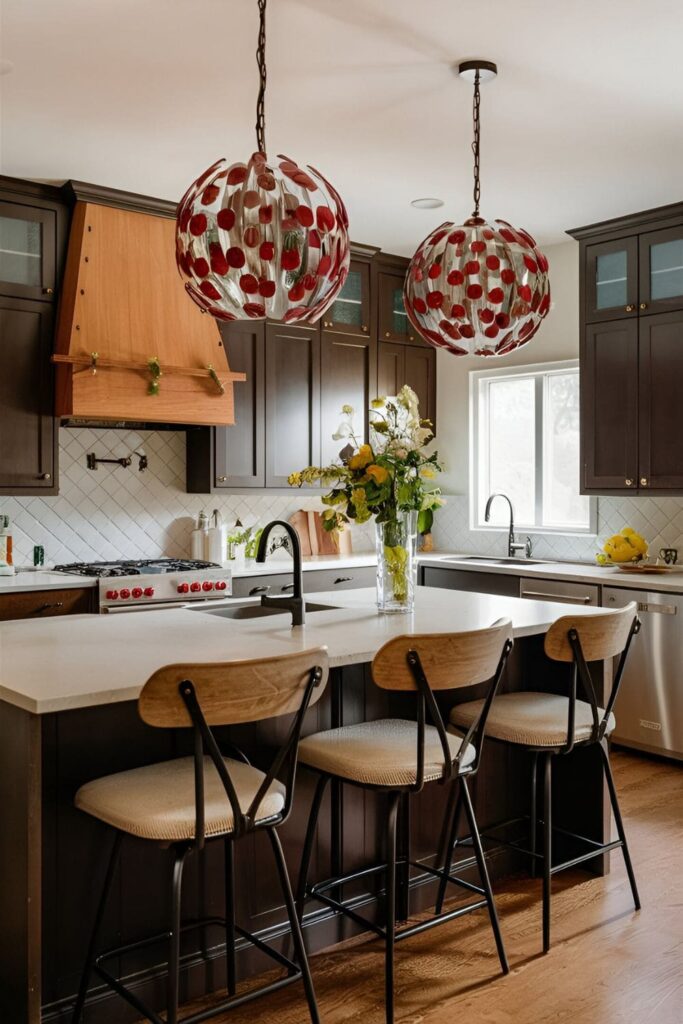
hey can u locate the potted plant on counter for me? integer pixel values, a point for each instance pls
(388, 479)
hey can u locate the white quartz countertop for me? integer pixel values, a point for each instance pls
(608, 576)
(29, 580)
(86, 660)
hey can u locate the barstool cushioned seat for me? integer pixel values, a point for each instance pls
(382, 753)
(531, 719)
(158, 801)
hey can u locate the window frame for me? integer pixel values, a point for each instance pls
(540, 373)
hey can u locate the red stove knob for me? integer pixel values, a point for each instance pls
(207, 585)
(112, 595)
(149, 591)
(221, 585)
(194, 587)
(125, 593)
(183, 588)
(136, 592)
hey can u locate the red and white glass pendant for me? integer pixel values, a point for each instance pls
(257, 239)
(478, 288)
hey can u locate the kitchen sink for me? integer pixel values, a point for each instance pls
(497, 561)
(257, 611)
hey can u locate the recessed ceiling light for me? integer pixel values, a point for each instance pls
(426, 204)
(6, 66)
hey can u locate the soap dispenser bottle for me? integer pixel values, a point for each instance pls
(217, 539)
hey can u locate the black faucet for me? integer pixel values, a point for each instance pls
(295, 603)
(512, 546)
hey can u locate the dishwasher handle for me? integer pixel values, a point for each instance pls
(660, 609)
(562, 598)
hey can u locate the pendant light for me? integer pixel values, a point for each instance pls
(261, 239)
(478, 288)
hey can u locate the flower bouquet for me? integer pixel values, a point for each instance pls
(387, 479)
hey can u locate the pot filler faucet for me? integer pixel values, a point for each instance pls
(295, 603)
(512, 545)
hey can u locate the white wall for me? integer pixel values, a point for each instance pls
(557, 338)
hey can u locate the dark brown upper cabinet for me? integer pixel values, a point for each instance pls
(631, 355)
(227, 457)
(611, 280)
(350, 311)
(292, 401)
(28, 250)
(28, 458)
(414, 365)
(394, 325)
(348, 377)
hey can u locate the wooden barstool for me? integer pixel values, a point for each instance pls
(187, 802)
(548, 725)
(398, 757)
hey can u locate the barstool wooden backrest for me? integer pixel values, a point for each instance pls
(427, 662)
(578, 639)
(199, 696)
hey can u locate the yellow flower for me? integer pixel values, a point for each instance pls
(362, 458)
(378, 473)
(347, 410)
(428, 473)
(358, 496)
(377, 403)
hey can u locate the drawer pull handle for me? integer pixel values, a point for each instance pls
(287, 586)
(343, 579)
(660, 609)
(258, 590)
(569, 598)
(46, 607)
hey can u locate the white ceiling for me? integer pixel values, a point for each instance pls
(583, 122)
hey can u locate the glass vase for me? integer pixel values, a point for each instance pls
(397, 563)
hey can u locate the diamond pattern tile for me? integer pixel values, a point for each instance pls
(113, 512)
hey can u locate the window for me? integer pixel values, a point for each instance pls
(524, 441)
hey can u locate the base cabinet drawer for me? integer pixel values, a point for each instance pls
(559, 590)
(41, 604)
(315, 581)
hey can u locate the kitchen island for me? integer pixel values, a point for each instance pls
(68, 692)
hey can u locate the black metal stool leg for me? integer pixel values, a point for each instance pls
(230, 915)
(619, 823)
(394, 801)
(173, 979)
(308, 844)
(484, 874)
(297, 937)
(547, 846)
(533, 813)
(456, 800)
(101, 907)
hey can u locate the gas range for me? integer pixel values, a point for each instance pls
(154, 583)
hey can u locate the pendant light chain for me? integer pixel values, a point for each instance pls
(476, 143)
(261, 61)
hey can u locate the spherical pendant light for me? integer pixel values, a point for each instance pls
(478, 288)
(261, 239)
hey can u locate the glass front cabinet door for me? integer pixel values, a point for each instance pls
(661, 271)
(612, 280)
(27, 251)
(350, 311)
(393, 319)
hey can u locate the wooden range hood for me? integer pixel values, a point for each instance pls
(124, 304)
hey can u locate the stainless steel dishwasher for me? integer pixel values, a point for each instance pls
(649, 708)
(564, 591)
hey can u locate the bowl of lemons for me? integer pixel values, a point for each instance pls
(623, 548)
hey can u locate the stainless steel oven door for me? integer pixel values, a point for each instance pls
(161, 606)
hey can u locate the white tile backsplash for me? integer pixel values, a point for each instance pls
(659, 520)
(112, 512)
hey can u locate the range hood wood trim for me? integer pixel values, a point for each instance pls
(122, 298)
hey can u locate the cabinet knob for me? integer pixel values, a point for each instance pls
(644, 481)
(45, 476)
(364, 328)
(643, 305)
(386, 334)
(411, 337)
(221, 479)
(630, 308)
(628, 481)
(48, 291)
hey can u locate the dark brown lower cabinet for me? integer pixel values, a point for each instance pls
(660, 420)
(43, 604)
(609, 406)
(348, 371)
(292, 401)
(28, 433)
(415, 365)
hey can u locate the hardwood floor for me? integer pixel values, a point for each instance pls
(608, 964)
